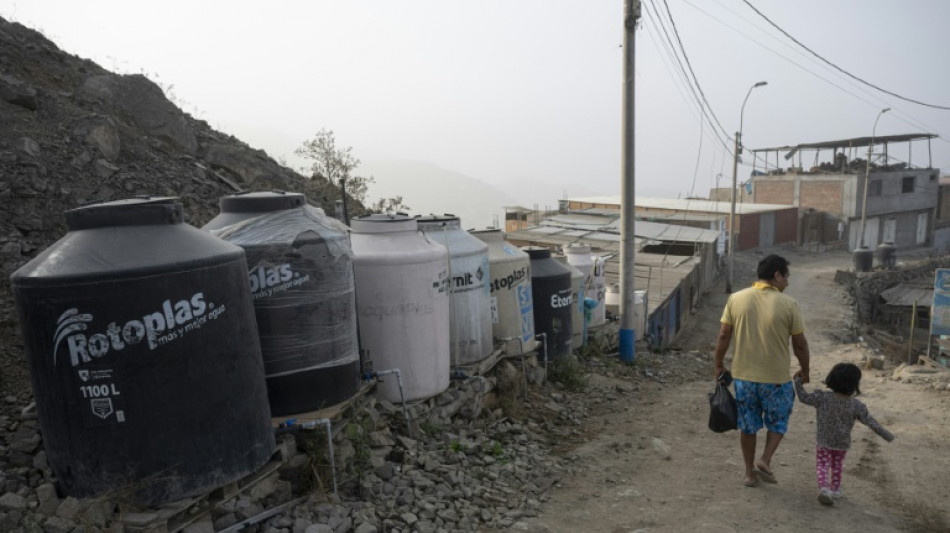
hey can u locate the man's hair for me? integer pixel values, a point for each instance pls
(770, 265)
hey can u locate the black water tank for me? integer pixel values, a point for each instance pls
(301, 275)
(146, 367)
(863, 259)
(887, 254)
(551, 296)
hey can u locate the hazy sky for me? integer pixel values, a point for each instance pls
(508, 91)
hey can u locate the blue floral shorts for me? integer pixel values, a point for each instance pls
(764, 404)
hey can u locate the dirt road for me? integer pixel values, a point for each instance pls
(626, 482)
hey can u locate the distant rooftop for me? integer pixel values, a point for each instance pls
(684, 204)
(651, 214)
(856, 142)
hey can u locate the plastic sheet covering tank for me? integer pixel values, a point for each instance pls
(510, 289)
(300, 267)
(146, 366)
(402, 301)
(469, 296)
(553, 306)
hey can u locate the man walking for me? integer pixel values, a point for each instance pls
(762, 319)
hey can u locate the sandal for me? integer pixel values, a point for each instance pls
(765, 474)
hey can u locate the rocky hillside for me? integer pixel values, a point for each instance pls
(73, 133)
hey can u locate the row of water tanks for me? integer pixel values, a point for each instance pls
(159, 352)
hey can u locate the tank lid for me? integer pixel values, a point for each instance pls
(138, 211)
(261, 202)
(439, 221)
(537, 252)
(383, 223)
(577, 249)
(489, 234)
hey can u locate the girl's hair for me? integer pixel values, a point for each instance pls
(844, 378)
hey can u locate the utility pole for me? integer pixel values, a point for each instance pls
(735, 169)
(631, 14)
(867, 177)
(346, 216)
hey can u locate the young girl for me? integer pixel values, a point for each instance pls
(837, 411)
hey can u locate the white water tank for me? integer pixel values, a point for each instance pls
(512, 312)
(639, 305)
(579, 257)
(598, 291)
(402, 303)
(469, 298)
(578, 331)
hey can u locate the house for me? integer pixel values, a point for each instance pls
(894, 200)
(941, 242)
(756, 225)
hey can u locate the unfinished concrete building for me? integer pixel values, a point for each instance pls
(901, 196)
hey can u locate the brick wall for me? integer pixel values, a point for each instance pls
(774, 192)
(822, 196)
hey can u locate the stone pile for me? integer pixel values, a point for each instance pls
(462, 463)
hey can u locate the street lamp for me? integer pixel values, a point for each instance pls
(735, 170)
(867, 174)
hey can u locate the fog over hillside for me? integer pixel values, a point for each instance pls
(428, 188)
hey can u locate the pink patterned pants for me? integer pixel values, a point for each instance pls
(827, 459)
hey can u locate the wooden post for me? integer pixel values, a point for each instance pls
(911, 360)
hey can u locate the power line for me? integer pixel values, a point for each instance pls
(688, 64)
(680, 75)
(700, 101)
(879, 102)
(839, 69)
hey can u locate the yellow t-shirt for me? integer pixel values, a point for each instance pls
(763, 320)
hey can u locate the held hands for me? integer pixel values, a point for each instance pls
(802, 375)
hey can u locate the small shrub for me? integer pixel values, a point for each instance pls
(568, 372)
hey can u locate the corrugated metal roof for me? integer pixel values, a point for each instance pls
(673, 232)
(643, 213)
(544, 229)
(643, 228)
(682, 204)
(601, 236)
(557, 237)
(680, 216)
(658, 274)
(905, 294)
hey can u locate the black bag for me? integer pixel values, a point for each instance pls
(723, 410)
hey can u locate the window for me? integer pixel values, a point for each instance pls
(874, 188)
(907, 184)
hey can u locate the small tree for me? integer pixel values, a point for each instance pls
(334, 164)
(389, 204)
